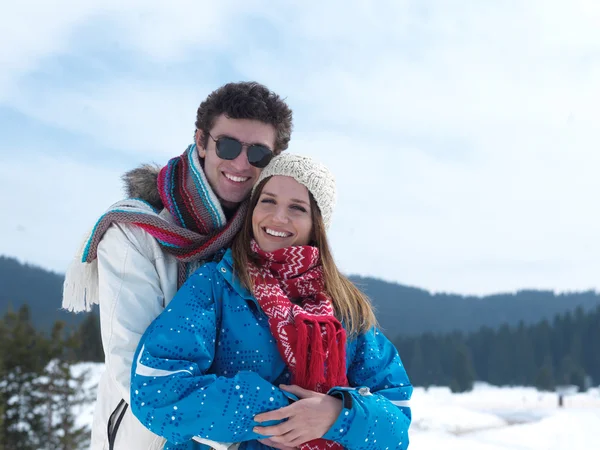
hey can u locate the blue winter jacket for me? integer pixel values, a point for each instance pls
(208, 364)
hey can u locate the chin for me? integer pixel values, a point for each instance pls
(270, 247)
(233, 199)
(232, 195)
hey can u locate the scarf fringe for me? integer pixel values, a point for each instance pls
(300, 371)
(80, 288)
(333, 370)
(316, 373)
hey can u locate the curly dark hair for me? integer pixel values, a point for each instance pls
(247, 100)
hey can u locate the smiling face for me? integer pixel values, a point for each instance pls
(282, 216)
(232, 180)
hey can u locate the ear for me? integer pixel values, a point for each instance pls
(199, 137)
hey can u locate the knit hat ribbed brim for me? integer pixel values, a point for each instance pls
(310, 173)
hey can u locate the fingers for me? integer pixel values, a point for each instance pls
(277, 414)
(289, 440)
(297, 390)
(297, 441)
(274, 430)
(270, 443)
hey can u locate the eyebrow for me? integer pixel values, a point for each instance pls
(294, 200)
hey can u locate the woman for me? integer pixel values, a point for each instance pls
(252, 350)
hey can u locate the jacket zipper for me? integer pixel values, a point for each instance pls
(115, 418)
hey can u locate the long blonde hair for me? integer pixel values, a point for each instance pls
(352, 307)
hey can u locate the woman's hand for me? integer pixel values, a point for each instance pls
(307, 419)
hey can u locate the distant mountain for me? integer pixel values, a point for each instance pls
(404, 310)
(401, 310)
(37, 287)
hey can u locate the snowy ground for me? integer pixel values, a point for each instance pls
(491, 418)
(488, 418)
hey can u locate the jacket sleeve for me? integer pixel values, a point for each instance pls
(130, 299)
(173, 395)
(375, 412)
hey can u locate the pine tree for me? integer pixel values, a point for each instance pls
(416, 366)
(432, 350)
(571, 373)
(590, 338)
(524, 357)
(480, 344)
(62, 392)
(25, 354)
(463, 374)
(543, 347)
(90, 348)
(59, 391)
(3, 374)
(38, 390)
(501, 358)
(544, 381)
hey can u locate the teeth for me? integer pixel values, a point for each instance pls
(276, 233)
(234, 178)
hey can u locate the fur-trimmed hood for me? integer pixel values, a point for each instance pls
(141, 183)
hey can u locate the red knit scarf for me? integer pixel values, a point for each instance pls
(309, 337)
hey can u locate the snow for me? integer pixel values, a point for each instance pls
(85, 413)
(487, 418)
(501, 418)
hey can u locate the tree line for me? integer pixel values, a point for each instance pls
(38, 389)
(545, 355)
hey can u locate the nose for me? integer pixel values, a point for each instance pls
(280, 215)
(241, 163)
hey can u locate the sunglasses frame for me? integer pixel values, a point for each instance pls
(249, 148)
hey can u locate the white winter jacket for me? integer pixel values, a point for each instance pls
(136, 280)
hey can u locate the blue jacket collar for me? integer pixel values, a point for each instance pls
(225, 269)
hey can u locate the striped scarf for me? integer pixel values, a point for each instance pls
(200, 229)
(310, 339)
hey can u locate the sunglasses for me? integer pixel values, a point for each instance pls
(230, 148)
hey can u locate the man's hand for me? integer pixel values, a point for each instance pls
(270, 443)
(307, 419)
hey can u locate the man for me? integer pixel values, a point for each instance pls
(142, 249)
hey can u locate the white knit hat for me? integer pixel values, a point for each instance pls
(315, 176)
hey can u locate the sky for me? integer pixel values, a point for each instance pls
(464, 136)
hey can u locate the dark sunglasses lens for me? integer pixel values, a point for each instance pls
(259, 156)
(228, 148)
